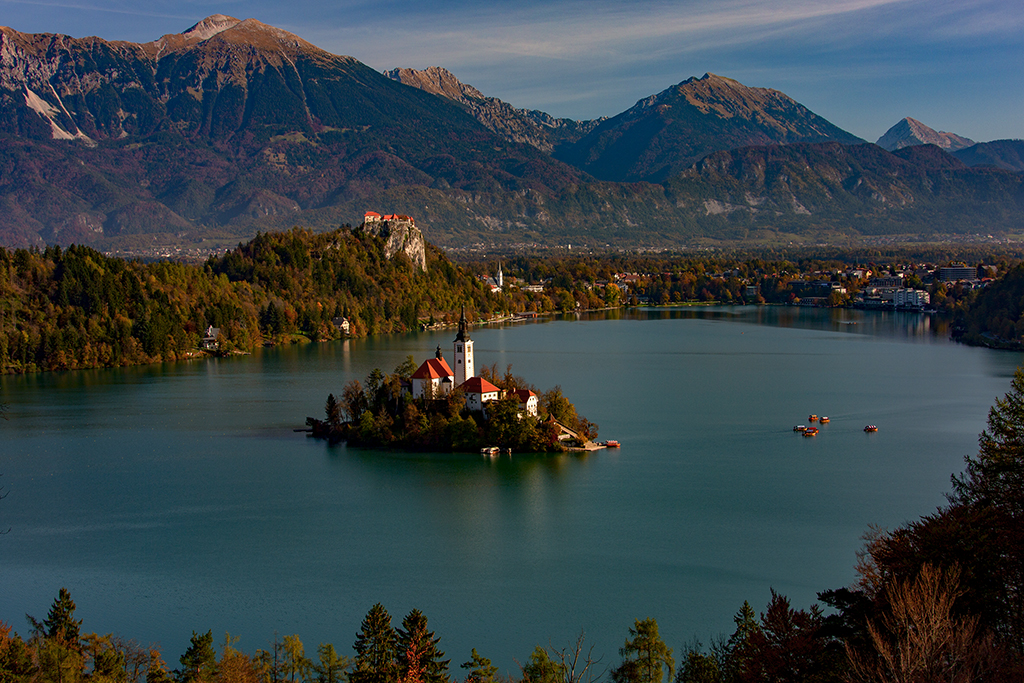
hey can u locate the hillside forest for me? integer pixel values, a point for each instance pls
(74, 308)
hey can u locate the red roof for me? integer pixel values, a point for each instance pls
(523, 395)
(478, 385)
(433, 368)
(372, 213)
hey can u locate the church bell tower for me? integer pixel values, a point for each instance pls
(463, 352)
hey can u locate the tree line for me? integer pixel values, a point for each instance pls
(77, 308)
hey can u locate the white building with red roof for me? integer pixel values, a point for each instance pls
(433, 378)
(528, 400)
(371, 217)
(479, 391)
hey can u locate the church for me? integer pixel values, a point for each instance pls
(435, 378)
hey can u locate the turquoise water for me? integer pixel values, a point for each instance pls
(175, 498)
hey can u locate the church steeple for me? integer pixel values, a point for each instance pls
(463, 352)
(463, 334)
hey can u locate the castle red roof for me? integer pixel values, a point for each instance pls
(478, 385)
(433, 368)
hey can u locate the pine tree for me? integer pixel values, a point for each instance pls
(333, 411)
(996, 476)
(480, 669)
(375, 649)
(414, 640)
(199, 663)
(60, 622)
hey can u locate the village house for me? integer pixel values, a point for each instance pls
(478, 392)
(528, 401)
(210, 339)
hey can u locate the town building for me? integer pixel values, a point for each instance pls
(210, 339)
(527, 400)
(433, 379)
(478, 392)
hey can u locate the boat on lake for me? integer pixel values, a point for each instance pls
(811, 431)
(812, 418)
(611, 443)
(490, 450)
(800, 428)
(871, 428)
(823, 420)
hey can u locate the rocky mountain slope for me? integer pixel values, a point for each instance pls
(529, 126)
(910, 132)
(234, 127)
(666, 133)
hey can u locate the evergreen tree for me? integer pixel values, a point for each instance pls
(333, 411)
(414, 641)
(996, 476)
(199, 663)
(645, 657)
(60, 621)
(375, 649)
(480, 669)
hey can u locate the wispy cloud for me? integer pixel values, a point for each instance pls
(106, 8)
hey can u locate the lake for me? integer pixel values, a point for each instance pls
(176, 497)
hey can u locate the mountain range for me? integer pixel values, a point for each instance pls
(233, 127)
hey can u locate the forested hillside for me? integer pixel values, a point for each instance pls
(76, 308)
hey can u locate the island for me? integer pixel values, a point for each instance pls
(435, 407)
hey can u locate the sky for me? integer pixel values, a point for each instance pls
(954, 65)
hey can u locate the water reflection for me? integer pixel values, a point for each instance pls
(896, 324)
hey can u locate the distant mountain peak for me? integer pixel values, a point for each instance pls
(210, 26)
(910, 132)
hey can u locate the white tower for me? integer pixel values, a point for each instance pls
(501, 278)
(463, 352)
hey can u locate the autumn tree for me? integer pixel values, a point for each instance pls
(919, 637)
(541, 668)
(330, 667)
(645, 657)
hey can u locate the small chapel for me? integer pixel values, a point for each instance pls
(435, 378)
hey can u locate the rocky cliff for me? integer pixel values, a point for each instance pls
(400, 235)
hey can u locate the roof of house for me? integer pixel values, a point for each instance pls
(478, 385)
(523, 395)
(433, 368)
